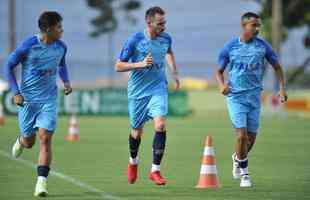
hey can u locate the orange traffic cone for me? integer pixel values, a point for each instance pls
(208, 172)
(74, 131)
(2, 119)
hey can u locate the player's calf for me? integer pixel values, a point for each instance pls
(132, 169)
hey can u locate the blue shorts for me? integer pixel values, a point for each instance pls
(32, 116)
(144, 109)
(244, 110)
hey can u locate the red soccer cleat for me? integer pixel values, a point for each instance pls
(132, 173)
(157, 178)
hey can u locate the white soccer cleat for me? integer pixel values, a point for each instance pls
(41, 187)
(245, 181)
(236, 172)
(17, 149)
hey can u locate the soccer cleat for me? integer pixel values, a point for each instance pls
(245, 181)
(132, 173)
(41, 188)
(157, 178)
(17, 149)
(236, 172)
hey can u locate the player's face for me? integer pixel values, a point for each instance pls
(158, 24)
(55, 32)
(252, 28)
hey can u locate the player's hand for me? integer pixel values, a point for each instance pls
(224, 89)
(283, 95)
(148, 61)
(177, 82)
(19, 100)
(68, 88)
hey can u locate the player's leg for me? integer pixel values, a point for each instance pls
(158, 110)
(138, 115)
(45, 159)
(253, 118)
(46, 122)
(251, 140)
(238, 115)
(26, 118)
(134, 143)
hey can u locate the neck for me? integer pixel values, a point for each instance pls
(245, 38)
(45, 39)
(150, 33)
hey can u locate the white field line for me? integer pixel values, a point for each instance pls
(65, 177)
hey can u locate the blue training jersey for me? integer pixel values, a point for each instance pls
(245, 63)
(150, 80)
(40, 64)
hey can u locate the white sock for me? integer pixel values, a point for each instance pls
(155, 168)
(244, 171)
(42, 178)
(134, 161)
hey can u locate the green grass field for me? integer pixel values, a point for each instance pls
(279, 163)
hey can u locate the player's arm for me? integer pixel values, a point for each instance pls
(63, 74)
(124, 66)
(223, 61)
(272, 58)
(14, 59)
(280, 76)
(173, 67)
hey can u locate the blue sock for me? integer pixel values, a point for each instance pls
(134, 146)
(43, 170)
(159, 144)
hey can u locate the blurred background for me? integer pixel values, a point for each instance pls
(95, 30)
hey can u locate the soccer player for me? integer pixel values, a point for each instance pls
(144, 55)
(42, 56)
(243, 57)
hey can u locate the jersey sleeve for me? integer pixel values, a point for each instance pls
(16, 57)
(169, 42)
(63, 71)
(270, 55)
(223, 58)
(128, 49)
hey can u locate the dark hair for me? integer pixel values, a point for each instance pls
(249, 15)
(48, 19)
(152, 11)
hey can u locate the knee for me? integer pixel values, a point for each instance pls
(160, 126)
(28, 144)
(136, 133)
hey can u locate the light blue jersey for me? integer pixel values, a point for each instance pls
(245, 63)
(40, 65)
(151, 80)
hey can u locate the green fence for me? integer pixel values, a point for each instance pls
(107, 101)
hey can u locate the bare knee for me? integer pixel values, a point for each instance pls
(28, 142)
(137, 133)
(160, 125)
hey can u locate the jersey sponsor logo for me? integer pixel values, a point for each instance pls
(44, 72)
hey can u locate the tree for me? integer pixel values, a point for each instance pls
(295, 15)
(106, 21)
